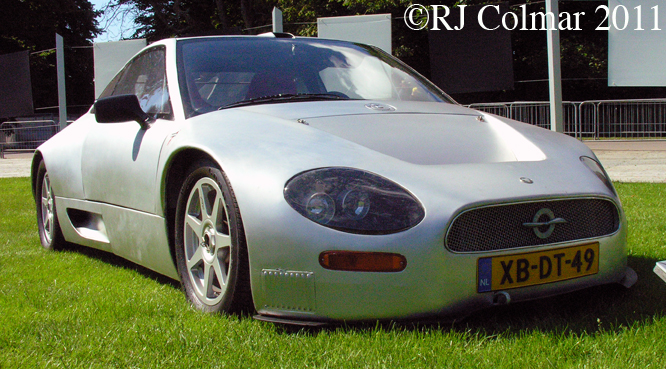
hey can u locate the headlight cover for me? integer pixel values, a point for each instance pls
(353, 201)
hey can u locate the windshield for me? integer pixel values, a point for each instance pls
(221, 72)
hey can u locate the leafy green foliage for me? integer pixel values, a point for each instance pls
(84, 308)
(32, 24)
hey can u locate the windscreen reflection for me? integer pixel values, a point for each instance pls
(219, 72)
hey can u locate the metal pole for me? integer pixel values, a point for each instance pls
(62, 100)
(554, 71)
(277, 20)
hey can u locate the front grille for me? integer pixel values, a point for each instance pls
(500, 227)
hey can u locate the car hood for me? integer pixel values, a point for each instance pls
(417, 133)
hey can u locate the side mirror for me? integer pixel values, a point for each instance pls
(121, 108)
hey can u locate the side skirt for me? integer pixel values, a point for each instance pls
(134, 235)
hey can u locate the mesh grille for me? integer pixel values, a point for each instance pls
(501, 227)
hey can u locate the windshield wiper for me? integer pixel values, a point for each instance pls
(285, 98)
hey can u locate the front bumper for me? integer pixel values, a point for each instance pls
(436, 282)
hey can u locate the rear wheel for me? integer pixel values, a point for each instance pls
(211, 253)
(47, 218)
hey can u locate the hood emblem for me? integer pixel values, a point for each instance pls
(543, 229)
(526, 180)
(380, 107)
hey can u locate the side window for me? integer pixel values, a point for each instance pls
(145, 77)
(108, 90)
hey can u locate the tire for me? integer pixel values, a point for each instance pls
(50, 233)
(211, 253)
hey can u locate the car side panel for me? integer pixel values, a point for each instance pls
(120, 161)
(62, 156)
(137, 236)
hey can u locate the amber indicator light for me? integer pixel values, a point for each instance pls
(355, 261)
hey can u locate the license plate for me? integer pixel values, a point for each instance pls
(533, 268)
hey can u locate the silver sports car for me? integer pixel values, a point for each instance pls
(312, 180)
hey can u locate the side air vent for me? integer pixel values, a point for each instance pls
(88, 225)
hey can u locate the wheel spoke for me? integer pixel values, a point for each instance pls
(220, 212)
(45, 209)
(221, 262)
(216, 208)
(47, 186)
(47, 223)
(196, 259)
(222, 241)
(194, 224)
(208, 280)
(220, 272)
(202, 201)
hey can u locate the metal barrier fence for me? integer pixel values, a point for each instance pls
(25, 135)
(536, 113)
(629, 118)
(639, 119)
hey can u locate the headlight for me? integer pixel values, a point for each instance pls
(354, 201)
(599, 171)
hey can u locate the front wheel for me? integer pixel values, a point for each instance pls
(47, 219)
(211, 254)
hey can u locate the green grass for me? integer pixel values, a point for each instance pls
(82, 308)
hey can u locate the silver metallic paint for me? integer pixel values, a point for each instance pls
(261, 147)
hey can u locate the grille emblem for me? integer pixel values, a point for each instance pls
(537, 225)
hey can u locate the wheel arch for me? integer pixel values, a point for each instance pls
(36, 159)
(174, 176)
(173, 179)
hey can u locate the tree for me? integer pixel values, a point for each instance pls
(584, 52)
(32, 24)
(157, 19)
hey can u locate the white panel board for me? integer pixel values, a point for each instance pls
(367, 29)
(110, 57)
(636, 52)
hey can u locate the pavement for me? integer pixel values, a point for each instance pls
(15, 165)
(632, 161)
(625, 161)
